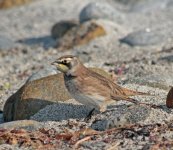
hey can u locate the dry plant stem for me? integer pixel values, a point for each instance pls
(82, 140)
(168, 50)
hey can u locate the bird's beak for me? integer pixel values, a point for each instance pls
(61, 67)
(55, 63)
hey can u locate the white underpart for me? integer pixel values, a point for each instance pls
(93, 101)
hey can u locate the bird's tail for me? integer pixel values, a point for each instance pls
(128, 92)
(133, 101)
(141, 103)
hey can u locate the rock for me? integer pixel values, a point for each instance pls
(144, 5)
(83, 55)
(49, 112)
(34, 96)
(149, 6)
(168, 58)
(37, 94)
(80, 35)
(169, 99)
(1, 118)
(60, 28)
(161, 81)
(148, 37)
(170, 4)
(47, 71)
(127, 116)
(51, 70)
(6, 43)
(7, 147)
(11, 3)
(22, 124)
(130, 2)
(98, 10)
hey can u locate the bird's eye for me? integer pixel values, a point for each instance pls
(64, 61)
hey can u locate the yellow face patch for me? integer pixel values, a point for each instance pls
(62, 67)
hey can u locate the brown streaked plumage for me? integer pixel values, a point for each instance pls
(90, 88)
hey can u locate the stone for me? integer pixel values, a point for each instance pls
(149, 6)
(83, 55)
(51, 70)
(60, 28)
(49, 112)
(168, 58)
(147, 37)
(11, 3)
(144, 5)
(129, 115)
(80, 35)
(36, 95)
(161, 81)
(130, 2)
(22, 124)
(169, 99)
(98, 10)
(6, 43)
(7, 147)
(47, 71)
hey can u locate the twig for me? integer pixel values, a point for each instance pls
(167, 50)
(82, 140)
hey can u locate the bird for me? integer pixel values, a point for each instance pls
(91, 88)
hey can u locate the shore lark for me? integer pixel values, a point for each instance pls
(89, 87)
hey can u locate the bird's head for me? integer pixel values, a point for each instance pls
(67, 64)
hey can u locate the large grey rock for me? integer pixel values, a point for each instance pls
(150, 5)
(99, 10)
(128, 115)
(22, 124)
(160, 80)
(6, 43)
(144, 5)
(65, 109)
(148, 36)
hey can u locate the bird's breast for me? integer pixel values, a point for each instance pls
(93, 100)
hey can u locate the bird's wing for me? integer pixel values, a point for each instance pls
(117, 98)
(109, 86)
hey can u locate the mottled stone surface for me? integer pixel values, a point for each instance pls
(47, 71)
(60, 28)
(35, 95)
(160, 80)
(99, 10)
(11, 3)
(21, 124)
(148, 36)
(80, 35)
